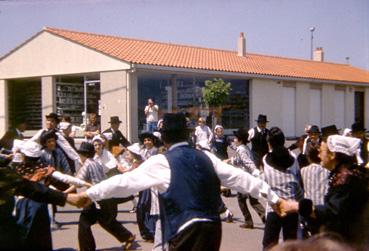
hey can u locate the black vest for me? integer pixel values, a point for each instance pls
(220, 147)
(259, 143)
(193, 192)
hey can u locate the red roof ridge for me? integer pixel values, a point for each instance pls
(146, 52)
(55, 30)
(135, 39)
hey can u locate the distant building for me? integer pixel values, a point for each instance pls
(49, 71)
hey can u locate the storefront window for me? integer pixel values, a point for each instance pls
(25, 101)
(70, 98)
(184, 94)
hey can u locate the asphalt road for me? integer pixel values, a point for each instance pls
(234, 238)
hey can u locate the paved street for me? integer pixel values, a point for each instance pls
(234, 238)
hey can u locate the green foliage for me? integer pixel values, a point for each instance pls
(216, 92)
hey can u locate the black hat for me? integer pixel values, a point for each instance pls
(314, 129)
(51, 134)
(357, 127)
(114, 119)
(53, 115)
(329, 130)
(86, 149)
(174, 122)
(145, 135)
(242, 134)
(262, 119)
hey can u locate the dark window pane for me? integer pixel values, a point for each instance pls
(184, 94)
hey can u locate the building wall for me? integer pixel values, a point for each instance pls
(132, 95)
(349, 107)
(302, 106)
(3, 107)
(48, 97)
(328, 101)
(265, 98)
(114, 92)
(48, 54)
(366, 107)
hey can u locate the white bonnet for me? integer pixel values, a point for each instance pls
(17, 144)
(217, 126)
(135, 148)
(98, 138)
(343, 144)
(29, 148)
(157, 134)
(346, 132)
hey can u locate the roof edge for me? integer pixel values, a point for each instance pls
(47, 29)
(54, 31)
(248, 75)
(21, 45)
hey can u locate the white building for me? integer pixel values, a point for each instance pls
(49, 72)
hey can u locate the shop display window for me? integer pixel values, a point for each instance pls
(184, 94)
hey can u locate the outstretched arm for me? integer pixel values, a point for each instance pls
(242, 181)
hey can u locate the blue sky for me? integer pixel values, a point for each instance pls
(272, 27)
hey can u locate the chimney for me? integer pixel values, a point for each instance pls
(318, 54)
(241, 45)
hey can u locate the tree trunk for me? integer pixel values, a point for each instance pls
(216, 116)
(218, 113)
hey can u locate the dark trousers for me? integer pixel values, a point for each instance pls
(199, 236)
(106, 217)
(34, 216)
(222, 207)
(260, 210)
(273, 226)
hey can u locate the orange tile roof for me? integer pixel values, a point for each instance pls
(173, 55)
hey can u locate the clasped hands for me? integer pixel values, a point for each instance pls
(79, 200)
(283, 207)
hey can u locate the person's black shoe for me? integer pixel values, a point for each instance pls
(247, 225)
(128, 244)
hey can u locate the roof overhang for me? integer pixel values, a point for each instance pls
(179, 70)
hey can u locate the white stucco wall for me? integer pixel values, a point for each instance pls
(48, 93)
(265, 98)
(366, 107)
(113, 87)
(302, 106)
(3, 107)
(48, 54)
(132, 95)
(328, 101)
(349, 106)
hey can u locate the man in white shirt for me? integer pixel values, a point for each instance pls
(257, 137)
(187, 180)
(152, 113)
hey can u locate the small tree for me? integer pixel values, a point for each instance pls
(215, 93)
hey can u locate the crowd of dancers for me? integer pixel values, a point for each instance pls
(317, 185)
